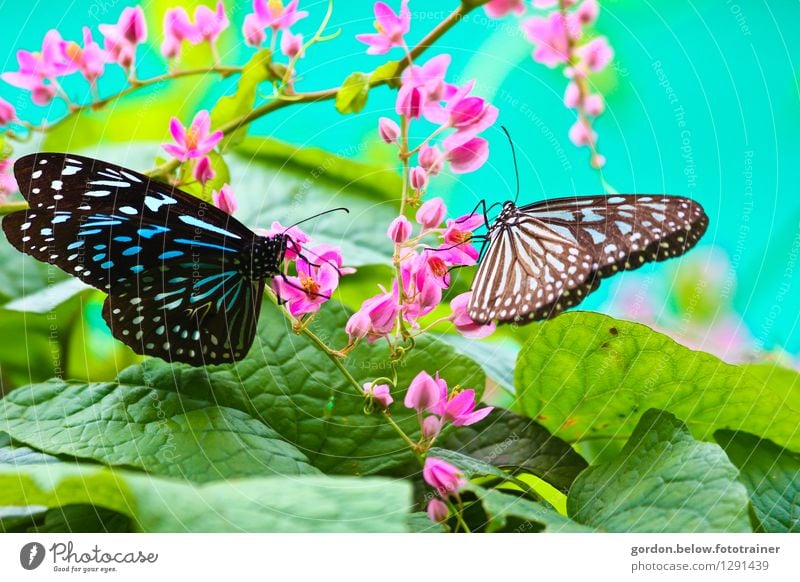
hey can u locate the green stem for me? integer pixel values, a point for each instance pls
(10, 207)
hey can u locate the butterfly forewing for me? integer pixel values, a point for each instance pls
(546, 257)
(169, 261)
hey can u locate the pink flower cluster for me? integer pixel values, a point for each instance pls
(317, 270)
(273, 15)
(424, 275)
(178, 27)
(558, 40)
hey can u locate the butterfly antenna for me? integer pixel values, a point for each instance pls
(514, 156)
(317, 216)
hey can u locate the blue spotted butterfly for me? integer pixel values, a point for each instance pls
(184, 279)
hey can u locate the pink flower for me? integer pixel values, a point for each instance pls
(464, 323)
(581, 134)
(470, 115)
(595, 54)
(89, 60)
(437, 511)
(428, 79)
(467, 156)
(7, 112)
(431, 427)
(177, 28)
(210, 23)
(423, 393)
(499, 8)
(458, 236)
(252, 30)
(422, 289)
(225, 199)
(391, 29)
(431, 159)
(399, 230)
(311, 288)
(418, 178)
(549, 35)
(436, 262)
(122, 38)
(431, 213)
(194, 141)
(572, 96)
(459, 409)
(298, 238)
(445, 478)
(273, 14)
(380, 394)
(375, 319)
(291, 44)
(325, 253)
(388, 130)
(8, 185)
(36, 68)
(203, 171)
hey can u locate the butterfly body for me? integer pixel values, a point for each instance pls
(184, 279)
(548, 256)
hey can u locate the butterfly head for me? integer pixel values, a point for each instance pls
(265, 255)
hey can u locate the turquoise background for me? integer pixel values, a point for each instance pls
(702, 100)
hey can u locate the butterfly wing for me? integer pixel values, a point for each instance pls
(137, 238)
(547, 256)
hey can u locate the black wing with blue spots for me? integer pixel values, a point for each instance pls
(178, 271)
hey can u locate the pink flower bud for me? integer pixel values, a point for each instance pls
(358, 326)
(409, 101)
(388, 130)
(399, 230)
(431, 427)
(464, 323)
(225, 200)
(587, 12)
(594, 106)
(7, 112)
(291, 44)
(437, 511)
(572, 96)
(203, 172)
(253, 31)
(468, 156)
(598, 161)
(380, 394)
(581, 134)
(43, 94)
(445, 478)
(418, 178)
(596, 54)
(432, 213)
(431, 159)
(423, 393)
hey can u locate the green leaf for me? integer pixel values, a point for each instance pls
(12, 453)
(386, 72)
(588, 376)
(419, 522)
(470, 466)
(273, 504)
(48, 298)
(517, 444)
(352, 96)
(496, 359)
(510, 513)
(242, 101)
(662, 481)
(771, 475)
(277, 181)
(83, 519)
(155, 430)
(294, 388)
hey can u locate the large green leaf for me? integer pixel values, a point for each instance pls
(516, 443)
(277, 181)
(662, 481)
(772, 477)
(294, 388)
(352, 95)
(155, 430)
(159, 504)
(586, 376)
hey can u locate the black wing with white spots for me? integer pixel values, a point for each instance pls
(184, 278)
(548, 256)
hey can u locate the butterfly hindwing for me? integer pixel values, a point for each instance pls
(547, 256)
(170, 262)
